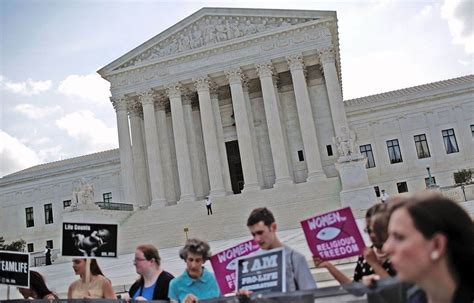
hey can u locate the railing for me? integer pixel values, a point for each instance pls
(115, 206)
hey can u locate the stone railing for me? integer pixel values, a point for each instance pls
(114, 206)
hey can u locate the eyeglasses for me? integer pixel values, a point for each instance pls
(139, 259)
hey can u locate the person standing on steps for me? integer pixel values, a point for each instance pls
(47, 254)
(209, 205)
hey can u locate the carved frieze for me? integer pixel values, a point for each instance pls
(211, 30)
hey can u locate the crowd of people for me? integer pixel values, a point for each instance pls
(424, 239)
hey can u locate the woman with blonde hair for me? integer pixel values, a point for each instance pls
(92, 283)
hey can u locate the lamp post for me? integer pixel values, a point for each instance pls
(430, 179)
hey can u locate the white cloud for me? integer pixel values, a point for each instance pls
(88, 87)
(36, 112)
(26, 88)
(14, 155)
(86, 128)
(459, 14)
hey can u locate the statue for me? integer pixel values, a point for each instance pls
(83, 195)
(346, 145)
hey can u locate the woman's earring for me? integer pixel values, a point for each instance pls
(434, 255)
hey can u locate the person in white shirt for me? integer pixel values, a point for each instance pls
(209, 205)
(384, 196)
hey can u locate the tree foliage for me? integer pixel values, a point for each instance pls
(18, 245)
(463, 176)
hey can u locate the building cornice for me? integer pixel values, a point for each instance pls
(410, 95)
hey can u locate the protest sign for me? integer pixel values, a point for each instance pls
(89, 240)
(262, 271)
(15, 268)
(333, 235)
(224, 264)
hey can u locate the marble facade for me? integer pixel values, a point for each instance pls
(247, 100)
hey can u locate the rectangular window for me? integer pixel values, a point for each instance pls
(30, 247)
(48, 213)
(300, 156)
(49, 243)
(66, 203)
(394, 152)
(30, 219)
(427, 181)
(377, 191)
(472, 130)
(329, 150)
(366, 150)
(402, 187)
(107, 197)
(421, 144)
(450, 142)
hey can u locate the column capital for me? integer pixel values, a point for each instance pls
(119, 103)
(327, 55)
(135, 108)
(295, 62)
(146, 96)
(213, 88)
(234, 76)
(187, 97)
(264, 69)
(202, 83)
(162, 101)
(173, 90)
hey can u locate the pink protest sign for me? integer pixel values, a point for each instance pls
(333, 235)
(224, 264)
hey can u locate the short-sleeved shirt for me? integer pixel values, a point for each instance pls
(146, 292)
(205, 287)
(364, 269)
(298, 275)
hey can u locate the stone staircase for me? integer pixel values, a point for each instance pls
(164, 227)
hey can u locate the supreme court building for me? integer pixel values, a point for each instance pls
(246, 105)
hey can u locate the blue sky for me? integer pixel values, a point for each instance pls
(54, 105)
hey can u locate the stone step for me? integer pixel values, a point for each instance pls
(164, 227)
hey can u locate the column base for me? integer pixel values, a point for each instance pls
(283, 181)
(220, 192)
(316, 176)
(158, 203)
(251, 187)
(187, 199)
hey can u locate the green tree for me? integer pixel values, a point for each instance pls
(463, 176)
(18, 245)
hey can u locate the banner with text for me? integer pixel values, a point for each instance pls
(333, 235)
(262, 271)
(89, 240)
(224, 264)
(15, 268)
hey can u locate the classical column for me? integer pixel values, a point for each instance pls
(242, 125)
(155, 171)
(305, 117)
(253, 134)
(338, 113)
(138, 152)
(181, 144)
(220, 137)
(275, 130)
(125, 149)
(198, 175)
(210, 137)
(165, 150)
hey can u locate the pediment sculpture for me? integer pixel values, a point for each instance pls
(211, 30)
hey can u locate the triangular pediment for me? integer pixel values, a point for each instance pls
(212, 26)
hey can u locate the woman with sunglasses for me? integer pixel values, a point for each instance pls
(92, 285)
(153, 283)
